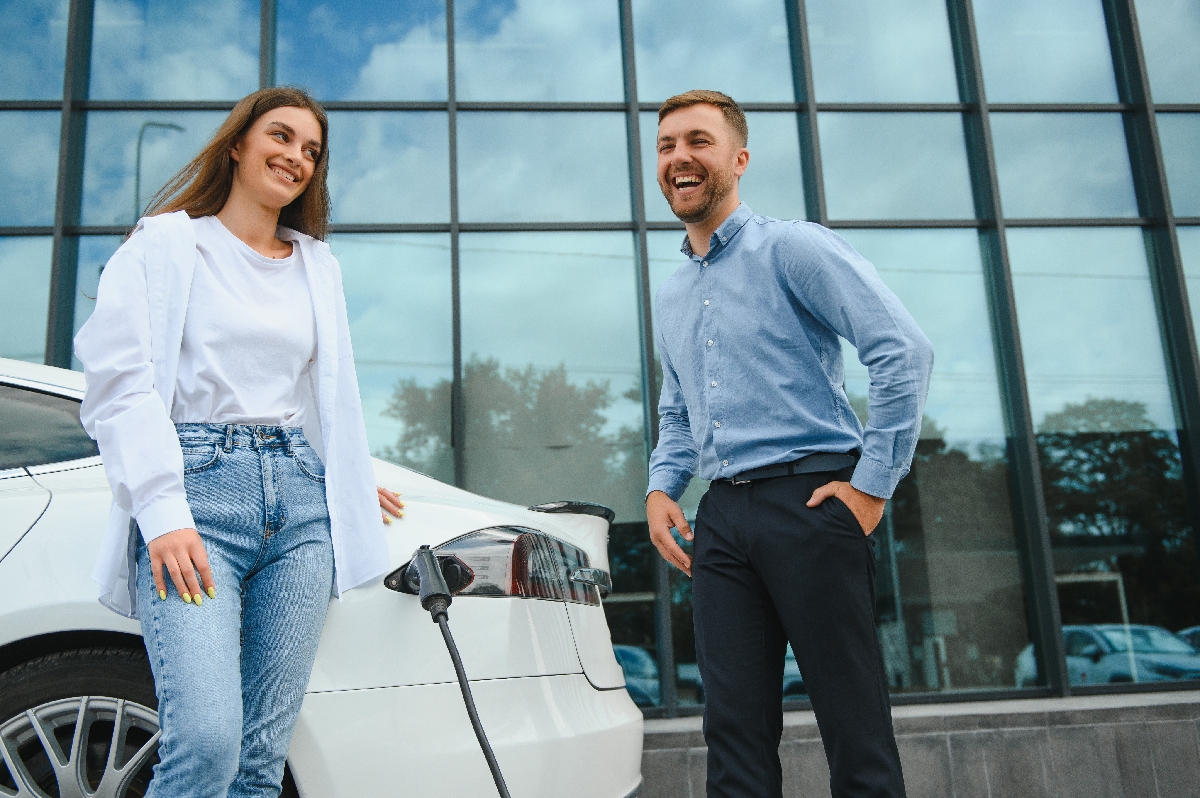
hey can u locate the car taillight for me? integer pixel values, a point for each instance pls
(512, 561)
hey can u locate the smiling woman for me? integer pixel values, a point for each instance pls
(203, 371)
(257, 136)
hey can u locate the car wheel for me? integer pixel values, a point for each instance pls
(79, 723)
(45, 700)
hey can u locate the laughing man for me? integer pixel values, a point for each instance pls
(753, 400)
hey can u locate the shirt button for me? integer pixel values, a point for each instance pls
(706, 302)
(714, 383)
(710, 343)
(704, 263)
(717, 423)
(724, 462)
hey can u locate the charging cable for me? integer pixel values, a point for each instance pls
(435, 599)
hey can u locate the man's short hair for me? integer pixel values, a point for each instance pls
(734, 116)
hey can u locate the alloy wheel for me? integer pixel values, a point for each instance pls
(81, 747)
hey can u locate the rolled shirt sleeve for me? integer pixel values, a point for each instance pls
(843, 291)
(122, 410)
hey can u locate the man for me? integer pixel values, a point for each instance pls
(752, 399)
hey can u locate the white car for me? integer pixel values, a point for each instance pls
(383, 714)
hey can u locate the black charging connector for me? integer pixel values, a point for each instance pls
(435, 599)
(435, 595)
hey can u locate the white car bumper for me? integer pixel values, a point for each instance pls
(553, 736)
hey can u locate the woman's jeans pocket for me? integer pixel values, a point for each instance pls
(308, 462)
(199, 457)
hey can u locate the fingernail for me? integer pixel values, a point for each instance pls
(212, 592)
(401, 515)
(187, 598)
(199, 599)
(162, 595)
(387, 520)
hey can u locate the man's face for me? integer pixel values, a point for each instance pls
(699, 161)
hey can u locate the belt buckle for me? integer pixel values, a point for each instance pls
(734, 480)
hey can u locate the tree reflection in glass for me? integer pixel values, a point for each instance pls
(1106, 432)
(950, 601)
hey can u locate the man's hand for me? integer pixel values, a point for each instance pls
(182, 553)
(662, 513)
(866, 508)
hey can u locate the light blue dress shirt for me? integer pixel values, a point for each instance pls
(752, 365)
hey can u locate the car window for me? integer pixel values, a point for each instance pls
(1147, 640)
(38, 428)
(1080, 644)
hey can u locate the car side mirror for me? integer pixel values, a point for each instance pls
(1093, 652)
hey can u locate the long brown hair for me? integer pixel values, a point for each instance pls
(202, 187)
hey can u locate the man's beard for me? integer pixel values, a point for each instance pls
(717, 186)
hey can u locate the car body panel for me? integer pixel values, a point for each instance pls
(594, 643)
(43, 378)
(22, 502)
(509, 637)
(553, 736)
(46, 581)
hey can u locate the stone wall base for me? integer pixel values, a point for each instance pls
(1143, 745)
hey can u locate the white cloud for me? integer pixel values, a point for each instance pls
(739, 47)
(413, 68)
(389, 167)
(544, 50)
(179, 50)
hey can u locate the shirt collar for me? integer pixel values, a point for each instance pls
(724, 233)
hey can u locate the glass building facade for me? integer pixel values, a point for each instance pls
(1025, 176)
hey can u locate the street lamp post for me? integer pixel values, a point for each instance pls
(137, 171)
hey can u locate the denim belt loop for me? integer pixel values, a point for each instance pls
(287, 442)
(228, 438)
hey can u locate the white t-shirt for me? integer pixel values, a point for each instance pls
(249, 337)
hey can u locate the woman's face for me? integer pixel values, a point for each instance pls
(277, 156)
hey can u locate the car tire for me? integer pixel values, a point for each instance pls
(51, 683)
(48, 698)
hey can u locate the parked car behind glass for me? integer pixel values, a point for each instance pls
(641, 674)
(1107, 653)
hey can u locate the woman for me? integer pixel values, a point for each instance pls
(223, 396)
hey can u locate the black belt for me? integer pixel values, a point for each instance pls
(820, 461)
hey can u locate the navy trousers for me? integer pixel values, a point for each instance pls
(768, 570)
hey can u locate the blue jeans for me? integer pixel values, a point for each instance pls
(230, 674)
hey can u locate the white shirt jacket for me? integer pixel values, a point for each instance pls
(130, 351)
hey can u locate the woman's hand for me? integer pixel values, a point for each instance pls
(183, 554)
(389, 502)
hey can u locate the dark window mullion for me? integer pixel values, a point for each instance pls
(458, 417)
(810, 140)
(1166, 263)
(663, 629)
(1025, 477)
(268, 11)
(60, 322)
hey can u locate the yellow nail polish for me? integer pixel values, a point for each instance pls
(387, 520)
(162, 595)
(187, 598)
(212, 592)
(199, 600)
(400, 514)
